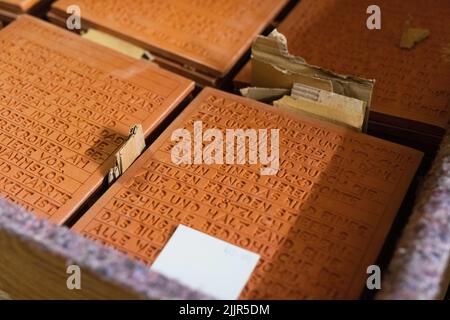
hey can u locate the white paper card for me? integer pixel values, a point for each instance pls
(199, 261)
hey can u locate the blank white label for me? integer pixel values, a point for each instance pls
(202, 262)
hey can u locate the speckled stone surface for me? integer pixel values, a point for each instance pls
(109, 264)
(420, 264)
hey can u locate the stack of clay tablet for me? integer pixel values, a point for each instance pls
(66, 106)
(318, 221)
(10, 9)
(200, 39)
(412, 92)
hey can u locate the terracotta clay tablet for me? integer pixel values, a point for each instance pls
(318, 221)
(18, 5)
(412, 88)
(209, 36)
(9, 9)
(66, 106)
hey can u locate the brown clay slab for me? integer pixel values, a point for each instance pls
(7, 16)
(10, 9)
(167, 64)
(18, 5)
(66, 106)
(410, 85)
(317, 224)
(210, 36)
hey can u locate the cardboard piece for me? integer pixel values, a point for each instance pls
(264, 94)
(411, 36)
(275, 67)
(66, 107)
(325, 105)
(317, 224)
(115, 43)
(128, 153)
(340, 97)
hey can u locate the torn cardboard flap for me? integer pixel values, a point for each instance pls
(116, 44)
(325, 105)
(264, 94)
(411, 36)
(274, 67)
(128, 153)
(271, 61)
